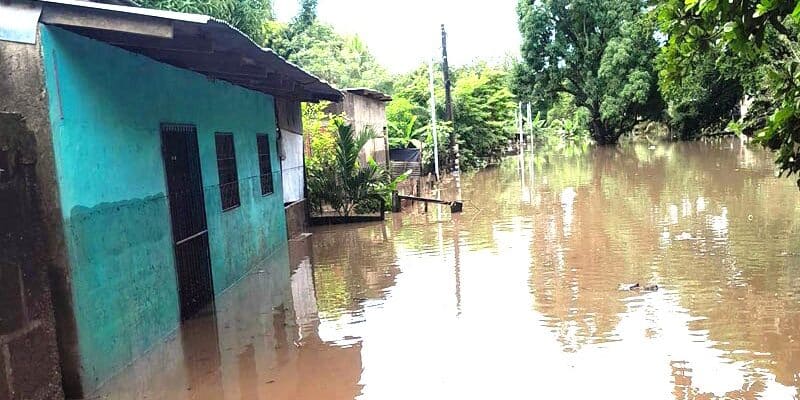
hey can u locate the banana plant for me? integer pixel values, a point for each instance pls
(403, 135)
(538, 124)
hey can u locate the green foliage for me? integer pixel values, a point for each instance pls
(537, 125)
(413, 89)
(566, 120)
(598, 51)
(406, 135)
(757, 36)
(248, 16)
(342, 60)
(386, 186)
(307, 14)
(342, 182)
(627, 74)
(705, 99)
(483, 113)
(404, 123)
(400, 109)
(483, 108)
(322, 134)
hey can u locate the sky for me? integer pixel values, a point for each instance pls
(404, 33)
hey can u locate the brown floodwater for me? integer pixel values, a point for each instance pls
(518, 297)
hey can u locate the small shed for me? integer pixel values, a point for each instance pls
(366, 108)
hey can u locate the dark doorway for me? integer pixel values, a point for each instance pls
(188, 214)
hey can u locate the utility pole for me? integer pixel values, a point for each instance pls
(520, 127)
(433, 121)
(448, 100)
(448, 106)
(530, 123)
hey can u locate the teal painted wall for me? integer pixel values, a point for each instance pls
(106, 105)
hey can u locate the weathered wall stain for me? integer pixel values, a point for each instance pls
(123, 278)
(243, 237)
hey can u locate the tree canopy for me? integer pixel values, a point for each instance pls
(344, 60)
(598, 51)
(483, 111)
(760, 40)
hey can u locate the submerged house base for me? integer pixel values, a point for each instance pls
(296, 218)
(139, 158)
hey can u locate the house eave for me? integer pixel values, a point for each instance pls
(189, 41)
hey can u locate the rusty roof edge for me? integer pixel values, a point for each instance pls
(371, 93)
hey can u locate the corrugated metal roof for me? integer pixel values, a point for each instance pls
(190, 41)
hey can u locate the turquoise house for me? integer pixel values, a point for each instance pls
(158, 162)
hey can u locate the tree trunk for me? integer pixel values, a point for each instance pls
(601, 133)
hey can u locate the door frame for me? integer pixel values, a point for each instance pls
(164, 129)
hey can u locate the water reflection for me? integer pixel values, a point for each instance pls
(261, 342)
(706, 221)
(533, 267)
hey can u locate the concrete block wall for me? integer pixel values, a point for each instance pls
(29, 361)
(28, 351)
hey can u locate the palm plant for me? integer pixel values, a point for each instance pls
(343, 183)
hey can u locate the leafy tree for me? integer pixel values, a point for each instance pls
(483, 113)
(414, 88)
(321, 133)
(401, 110)
(704, 101)
(404, 135)
(248, 16)
(405, 125)
(760, 34)
(340, 59)
(566, 120)
(307, 15)
(598, 51)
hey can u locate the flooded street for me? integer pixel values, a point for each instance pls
(519, 297)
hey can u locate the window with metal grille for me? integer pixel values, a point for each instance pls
(264, 164)
(228, 177)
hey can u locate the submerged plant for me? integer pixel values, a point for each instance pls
(343, 182)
